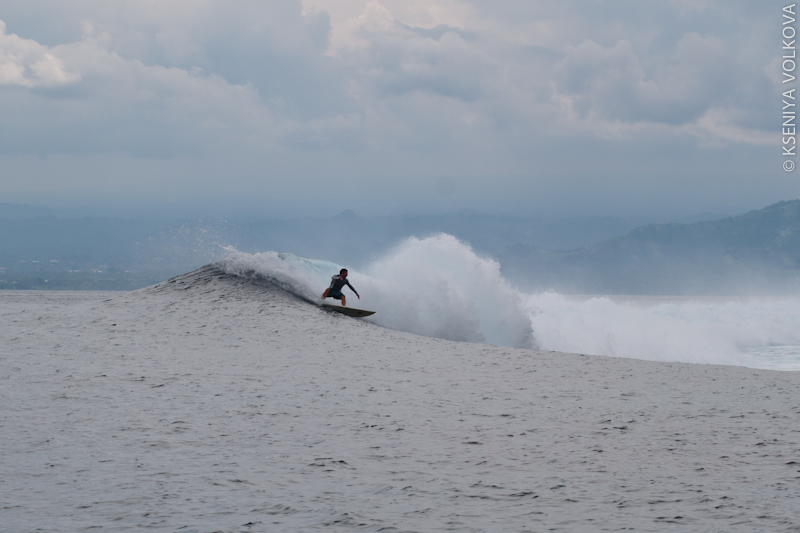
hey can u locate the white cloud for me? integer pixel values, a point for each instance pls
(718, 125)
(119, 104)
(611, 83)
(352, 18)
(27, 63)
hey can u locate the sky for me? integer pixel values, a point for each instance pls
(302, 108)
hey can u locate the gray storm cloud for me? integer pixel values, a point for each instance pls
(613, 83)
(282, 96)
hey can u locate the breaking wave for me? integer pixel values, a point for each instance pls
(436, 287)
(440, 287)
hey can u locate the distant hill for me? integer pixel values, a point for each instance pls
(39, 249)
(755, 252)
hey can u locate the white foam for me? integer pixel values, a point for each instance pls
(687, 330)
(439, 287)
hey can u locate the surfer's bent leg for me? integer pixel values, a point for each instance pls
(344, 301)
(325, 294)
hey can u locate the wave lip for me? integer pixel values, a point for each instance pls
(298, 275)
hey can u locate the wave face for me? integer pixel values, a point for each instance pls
(439, 287)
(436, 287)
(301, 276)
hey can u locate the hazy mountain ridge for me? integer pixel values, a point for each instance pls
(64, 251)
(757, 251)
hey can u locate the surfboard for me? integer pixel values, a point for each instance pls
(349, 311)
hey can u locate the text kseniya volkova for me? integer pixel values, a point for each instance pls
(789, 64)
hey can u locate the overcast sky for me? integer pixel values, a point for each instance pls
(391, 106)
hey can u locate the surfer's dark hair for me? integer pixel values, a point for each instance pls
(342, 271)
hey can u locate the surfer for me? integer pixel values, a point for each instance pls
(335, 290)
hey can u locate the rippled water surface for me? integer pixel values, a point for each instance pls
(212, 403)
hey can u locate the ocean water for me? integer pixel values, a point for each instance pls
(439, 287)
(208, 403)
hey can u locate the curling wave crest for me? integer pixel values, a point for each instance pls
(436, 287)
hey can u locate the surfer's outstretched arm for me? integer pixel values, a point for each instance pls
(352, 289)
